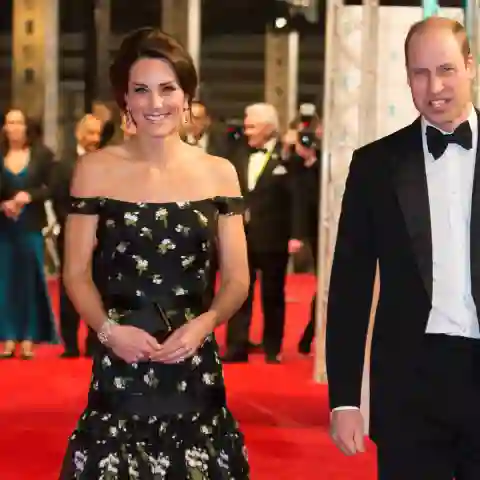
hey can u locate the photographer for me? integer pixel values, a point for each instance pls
(302, 151)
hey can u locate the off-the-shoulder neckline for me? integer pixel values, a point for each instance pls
(158, 204)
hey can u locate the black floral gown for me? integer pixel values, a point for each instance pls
(160, 250)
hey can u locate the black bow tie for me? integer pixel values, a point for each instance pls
(438, 142)
(258, 150)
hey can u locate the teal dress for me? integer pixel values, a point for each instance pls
(25, 309)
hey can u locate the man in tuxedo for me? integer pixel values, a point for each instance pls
(199, 130)
(412, 203)
(88, 135)
(266, 188)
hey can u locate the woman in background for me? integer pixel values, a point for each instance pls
(25, 313)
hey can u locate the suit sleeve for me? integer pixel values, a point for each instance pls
(298, 178)
(41, 191)
(60, 189)
(351, 288)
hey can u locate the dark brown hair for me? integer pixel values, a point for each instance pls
(151, 43)
(440, 22)
(33, 131)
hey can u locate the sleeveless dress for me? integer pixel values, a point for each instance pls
(161, 251)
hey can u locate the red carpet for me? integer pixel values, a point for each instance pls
(283, 413)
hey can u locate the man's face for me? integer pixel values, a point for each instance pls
(198, 121)
(257, 131)
(439, 77)
(88, 134)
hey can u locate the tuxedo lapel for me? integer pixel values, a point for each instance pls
(267, 171)
(412, 191)
(475, 226)
(239, 158)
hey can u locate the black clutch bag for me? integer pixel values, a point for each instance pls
(159, 317)
(153, 319)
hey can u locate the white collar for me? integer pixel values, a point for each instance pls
(472, 120)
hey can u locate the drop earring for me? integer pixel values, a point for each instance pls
(128, 118)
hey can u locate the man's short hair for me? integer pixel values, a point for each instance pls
(441, 23)
(267, 112)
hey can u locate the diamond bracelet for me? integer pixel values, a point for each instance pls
(105, 331)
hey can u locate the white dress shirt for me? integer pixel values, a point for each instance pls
(80, 151)
(257, 162)
(450, 183)
(201, 142)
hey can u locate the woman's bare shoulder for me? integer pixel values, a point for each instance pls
(93, 171)
(224, 174)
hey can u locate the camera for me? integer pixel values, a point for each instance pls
(234, 129)
(306, 130)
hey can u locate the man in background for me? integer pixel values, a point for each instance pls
(265, 185)
(304, 168)
(104, 114)
(199, 130)
(202, 131)
(88, 135)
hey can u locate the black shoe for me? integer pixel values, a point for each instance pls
(273, 359)
(237, 357)
(304, 347)
(70, 354)
(254, 347)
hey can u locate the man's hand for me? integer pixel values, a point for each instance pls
(347, 431)
(289, 140)
(246, 216)
(309, 155)
(294, 246)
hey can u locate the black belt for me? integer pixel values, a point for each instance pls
(156, 404)
(129, 301)
(157, 315)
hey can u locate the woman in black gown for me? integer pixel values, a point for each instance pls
(152, 207)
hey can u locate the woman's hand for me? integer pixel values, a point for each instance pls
(22, 199)
(185, 341)
(11, 209)
(131, 344)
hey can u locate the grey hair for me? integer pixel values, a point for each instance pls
(266, 112)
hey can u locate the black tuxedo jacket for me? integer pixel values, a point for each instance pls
(216, 141)
(386, 218)
(37, 184)
(271, 204)
(62, 179)
(306, 181)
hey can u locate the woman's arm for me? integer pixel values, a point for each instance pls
(234, 274)
(7, 190)
(129, 343)
(232, 251)
(40, 192)
(80, 239)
